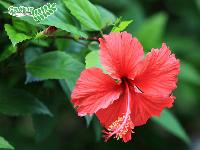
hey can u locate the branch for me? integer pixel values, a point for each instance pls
(51, 29)
(75, 39)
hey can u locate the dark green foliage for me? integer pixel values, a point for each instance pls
(39, 67)
(15, 102)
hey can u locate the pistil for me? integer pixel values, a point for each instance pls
(123, 124)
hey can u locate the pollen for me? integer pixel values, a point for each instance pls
(120, 127)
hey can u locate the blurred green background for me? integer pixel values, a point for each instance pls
(176, 22)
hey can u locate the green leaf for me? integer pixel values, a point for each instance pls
(86, 13)
(187, 99)
(43, 126)
(62, 44)
(151, 31)
(40, 42)
(30, 54)
(170, 123)
(198, 4)
(93, 46)
(54, 65)
(92, 60)
(4, 4)
(136, 11)
(29, 20)
(176, 44)
(62, 20)
(24, 27)
(7, 52)
(107, 17)
(15, 36)
(19, 102)
(66, 89)
(71, 80)
(4, 144)
(98, 129)
(189, 73)
(121, 26)
(88, 120)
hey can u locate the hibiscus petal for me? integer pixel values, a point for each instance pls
(110, 114)
(158, 72)
(146, 106)
(94, 90)
(116, 118)
(119, 54)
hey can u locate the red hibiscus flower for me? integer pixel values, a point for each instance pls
(133, 90)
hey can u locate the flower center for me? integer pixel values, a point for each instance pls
(123, 124)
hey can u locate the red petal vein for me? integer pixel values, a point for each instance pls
(94, 90)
